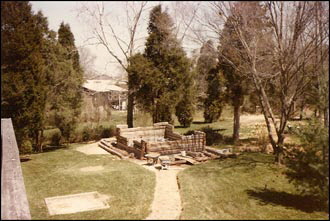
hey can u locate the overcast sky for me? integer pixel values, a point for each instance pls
(67, 11)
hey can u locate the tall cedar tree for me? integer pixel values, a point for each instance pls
(23, 79)
(231, 48)
(69, 99)
(214, 101)
(169, 65)
(206, 61)
(210, 78)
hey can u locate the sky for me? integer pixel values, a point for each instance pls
(67, 11)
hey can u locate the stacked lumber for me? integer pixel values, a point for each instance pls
(122, 140)
(169, 134)
(178, 162)
(187, 159)
(224, 153)
(120, 153)
(129, 149)
(201, 159)
(194, 154)
(211, 155)
(151, 139)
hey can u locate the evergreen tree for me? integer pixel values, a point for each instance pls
(214, 101)
(23, 78)
(185, 109)
(170, 66)
(206, 61)
(237, 83)
(69, 77)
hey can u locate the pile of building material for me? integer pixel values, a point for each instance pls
(160, 139)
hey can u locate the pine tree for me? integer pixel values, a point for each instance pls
(206, 61)
(237, 83)
(170, 66)
(23, 81)
(68, 99)
(214, 102)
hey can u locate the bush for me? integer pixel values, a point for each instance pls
(308, 167)
(262, 135)
(184, 111)
(108, 132)
(26, 147)
(212, 136)
(86, 133)
(189, 132)
(96, 133)
(56, 139)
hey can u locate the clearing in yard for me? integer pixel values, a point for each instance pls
(58, 173)
(248, 187)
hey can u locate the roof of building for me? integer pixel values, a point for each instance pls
(102, 86)
(101, 77)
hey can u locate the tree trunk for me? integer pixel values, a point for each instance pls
(326, 117)
(130, 109)
(41, 140)
(279, 150)
(236, 127)
(301, 110)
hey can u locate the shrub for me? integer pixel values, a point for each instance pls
(212, 136)
(86, 133)
(262, 135)
(308, 167)
(26, 146)
(184, 111)
(98, 132)
(56, 138)
(108, 132)
(189, 132)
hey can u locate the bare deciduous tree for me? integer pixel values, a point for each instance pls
(105, 32)
(286, 47)
(86, 59)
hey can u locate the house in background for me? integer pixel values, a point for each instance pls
(100, 97)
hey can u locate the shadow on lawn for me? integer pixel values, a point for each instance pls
(54, 148)
(199, 122)
(307, 204)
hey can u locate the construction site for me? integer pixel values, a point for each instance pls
(160, 144)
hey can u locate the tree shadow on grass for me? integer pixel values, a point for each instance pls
(307, 204)
(199, 122)
(179, 126)
(53, 148)
(250, 140)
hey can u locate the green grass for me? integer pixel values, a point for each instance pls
(57, 173)
(249, 187)
(225, 122)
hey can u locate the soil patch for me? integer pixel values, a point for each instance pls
(91, 169)
(92, 148)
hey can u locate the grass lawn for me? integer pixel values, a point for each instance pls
(57, 173)
(249, 187)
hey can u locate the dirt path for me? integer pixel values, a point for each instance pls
(167, 202)
(91, 148)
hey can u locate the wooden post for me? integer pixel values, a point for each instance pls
(14, 203)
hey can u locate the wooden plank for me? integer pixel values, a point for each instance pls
(189, 160)
(14, 203)
(112, 151)
(212, 150)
